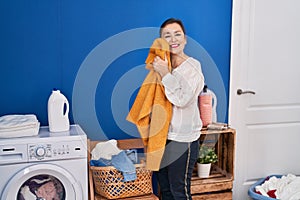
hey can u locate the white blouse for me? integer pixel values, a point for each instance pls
(182, 88)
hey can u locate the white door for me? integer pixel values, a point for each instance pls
(266, 60)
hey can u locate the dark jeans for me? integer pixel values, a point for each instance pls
(174, 177)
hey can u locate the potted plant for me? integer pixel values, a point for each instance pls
(207, 156)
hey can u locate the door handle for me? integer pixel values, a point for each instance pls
(240, 92)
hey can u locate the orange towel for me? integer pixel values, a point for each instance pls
(151, 111)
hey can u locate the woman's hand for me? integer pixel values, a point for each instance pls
(161, 66)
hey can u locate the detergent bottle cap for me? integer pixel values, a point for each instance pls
(205, 88)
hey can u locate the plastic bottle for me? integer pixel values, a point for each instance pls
(205, 107)
(214, 105)
(58, 111)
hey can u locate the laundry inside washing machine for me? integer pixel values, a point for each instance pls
(42, 187)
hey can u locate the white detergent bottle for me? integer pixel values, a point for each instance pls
(58, 111)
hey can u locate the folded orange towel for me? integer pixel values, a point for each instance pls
(151, 111)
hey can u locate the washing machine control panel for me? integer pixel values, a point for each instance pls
(40, 151)
(54, 151)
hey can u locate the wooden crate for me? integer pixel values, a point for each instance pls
(219, 184)
(214, 196)
(144, 197)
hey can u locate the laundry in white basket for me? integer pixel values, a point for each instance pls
(285, 188)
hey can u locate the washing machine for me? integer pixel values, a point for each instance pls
(43, 167)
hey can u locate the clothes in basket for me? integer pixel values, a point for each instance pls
(276, 187)
(119, 159)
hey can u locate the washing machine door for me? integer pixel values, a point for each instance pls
(42, 182)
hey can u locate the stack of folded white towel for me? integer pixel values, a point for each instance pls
(18, 126)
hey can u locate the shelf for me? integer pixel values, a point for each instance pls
(220, 182)
(224, 144)
(217, 181)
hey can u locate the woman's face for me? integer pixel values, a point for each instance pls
(175, 36)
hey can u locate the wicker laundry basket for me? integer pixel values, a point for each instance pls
(109, 182)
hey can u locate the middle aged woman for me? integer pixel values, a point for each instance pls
(182, 87)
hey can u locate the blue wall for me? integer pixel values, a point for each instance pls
(48, 44)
